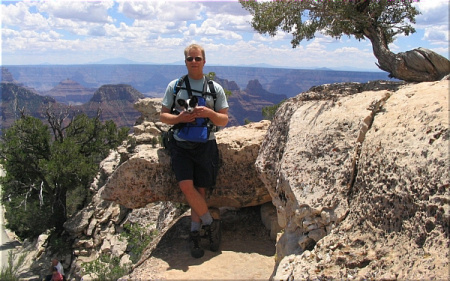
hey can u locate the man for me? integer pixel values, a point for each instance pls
(195, 163)
(55, 264)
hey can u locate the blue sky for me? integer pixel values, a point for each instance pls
(81, 32)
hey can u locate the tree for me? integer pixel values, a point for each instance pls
(212, 76)
(45, 163)
(379, 21)
(268, 112)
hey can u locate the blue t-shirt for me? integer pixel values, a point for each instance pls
(221, 99)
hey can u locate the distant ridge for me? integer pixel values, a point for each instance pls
(152, 79)
(116, 102)
(70, 92)
(121, 92)
(118, 61)
(15, 98)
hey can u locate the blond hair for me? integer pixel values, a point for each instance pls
(194, 46)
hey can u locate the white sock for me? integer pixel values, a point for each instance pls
(207, 219)
(195, 226)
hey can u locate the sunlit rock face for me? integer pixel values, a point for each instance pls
(359, 176)
(145, 175)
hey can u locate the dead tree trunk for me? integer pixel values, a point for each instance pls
(417, 65)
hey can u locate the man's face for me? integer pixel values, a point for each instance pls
(195, 61)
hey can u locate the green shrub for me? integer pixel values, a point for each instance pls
(106, 268)
(138, 239)
(10, 271)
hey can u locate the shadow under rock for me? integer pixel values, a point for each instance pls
(9, 245)
(242, 232)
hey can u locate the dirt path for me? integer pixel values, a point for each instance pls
(246, 253)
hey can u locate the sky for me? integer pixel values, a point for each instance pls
(83, 32)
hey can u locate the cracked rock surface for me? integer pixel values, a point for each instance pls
(359, 176)
(145, 176)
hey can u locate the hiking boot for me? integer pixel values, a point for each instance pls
(196, 251)
(214, 233)
(215, 213)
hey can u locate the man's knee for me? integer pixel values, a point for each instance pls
(186, 186)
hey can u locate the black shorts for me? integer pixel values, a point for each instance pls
(199, 163)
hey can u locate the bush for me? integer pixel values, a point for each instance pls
(138, 239)
(106, 268)
(10, 272)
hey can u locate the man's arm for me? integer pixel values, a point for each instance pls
(219, 118)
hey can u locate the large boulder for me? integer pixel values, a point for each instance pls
(359, 175)
(145, 174)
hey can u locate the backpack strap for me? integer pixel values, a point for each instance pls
(185, 79)
(178, 85)
(188, 86)
(212, 90)
(176, 89)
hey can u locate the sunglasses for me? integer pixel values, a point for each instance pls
(192, 58)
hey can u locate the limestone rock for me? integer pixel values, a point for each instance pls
(359, 175)
(150, 108)
(138, 176)
(146, 175)
(269, 219)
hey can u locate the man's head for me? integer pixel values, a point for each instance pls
(194, 47)
(194, 58)
(55, 261)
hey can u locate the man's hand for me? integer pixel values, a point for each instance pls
(202, 112)
(186, 117)
(218, 118)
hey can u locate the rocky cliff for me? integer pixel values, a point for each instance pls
(70, 92)
(15, 98)
(115, 102)
(246, 105)
(358, 175)
(145, 175)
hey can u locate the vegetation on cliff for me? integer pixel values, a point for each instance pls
(49, 168)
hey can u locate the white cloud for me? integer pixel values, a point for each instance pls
(434, 20)
(72, 31)
(225, 8)
(137, 10)
(438, 35)
(279, 37)
(160, 10)
(19, 16)
(87, 11)
(211, 27)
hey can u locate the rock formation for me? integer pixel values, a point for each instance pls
(247, 104)
(359, 178)
(70, 92)
(15, 98)
(116, 103)
(139, 179)
(359, 175)
(145, 176)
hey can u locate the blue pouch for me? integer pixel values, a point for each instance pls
(197, 131)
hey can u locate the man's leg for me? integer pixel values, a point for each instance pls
(195, 198)
(199, 209)
(196, 218)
